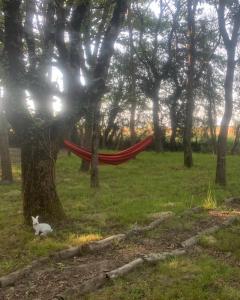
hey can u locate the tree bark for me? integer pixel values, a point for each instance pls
(6, 165)
(173, 119)
(222, 138)
(132, 68)
(211, 110)
(188, 159)
(230, 45)
(113, 112)
(94, 182)
(38, 158)
(212, 127)
(236, 141)
(132, 122)
(158, 146)
(100, 76)
(87, 141)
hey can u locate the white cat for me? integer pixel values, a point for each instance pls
(41, 229)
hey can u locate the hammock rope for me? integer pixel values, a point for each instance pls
(113, 158)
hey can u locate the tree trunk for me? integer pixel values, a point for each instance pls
(188, 160)
(156, 123)
(112, 137)
(87, 142)
(211, 111)
(132, 69)
(119, 140)
(230, 45)
(173, 119)
(94, 182)
(132, 122)
(222, 138)
(212, 131)
(38, 157)
(6, 165)
(236, 141)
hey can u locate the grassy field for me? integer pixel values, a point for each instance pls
(129, 194)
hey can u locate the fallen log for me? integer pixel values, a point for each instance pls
(154, 257)
(194, 239)
(125, 268)
(11, 278)
(138, 230)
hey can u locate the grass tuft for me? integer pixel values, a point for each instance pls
(210, 201)
(75, 239)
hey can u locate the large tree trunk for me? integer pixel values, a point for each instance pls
(6, 165)
(38, 158)
(158, 146)
(188, 160)
(222, 138)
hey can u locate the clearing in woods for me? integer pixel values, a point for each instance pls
(130, 194)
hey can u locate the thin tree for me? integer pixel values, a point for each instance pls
(191, 12)
(236, 140)
(230, 41)
(6, 165)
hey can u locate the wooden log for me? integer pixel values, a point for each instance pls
(87, 248)
(138, 230)
(67, 253)
(194, 239)
(98, 245)
(192, 210)
(11, 278)
(125, 268)
(154, 257)
(209, 230)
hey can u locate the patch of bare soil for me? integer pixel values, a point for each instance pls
(53, 279)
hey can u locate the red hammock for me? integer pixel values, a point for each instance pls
(112, 159)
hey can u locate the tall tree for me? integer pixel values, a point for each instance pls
(51, 36)
(153, 50)
(132, 69)
(191, 12)
(6, 166)
(230, 40)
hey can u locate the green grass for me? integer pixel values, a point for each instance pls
(129, 193)
(184, 278)
(226, 241)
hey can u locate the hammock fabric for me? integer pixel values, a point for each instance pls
(112, 159)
